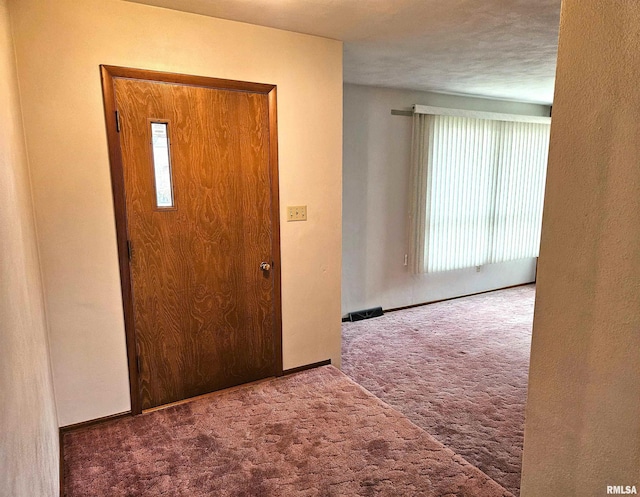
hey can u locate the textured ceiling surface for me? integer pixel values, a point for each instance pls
(495, 48)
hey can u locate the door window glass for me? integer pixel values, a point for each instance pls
(162, 164)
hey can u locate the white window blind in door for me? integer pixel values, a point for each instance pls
(478, 189)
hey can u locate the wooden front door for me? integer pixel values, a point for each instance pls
(194, 169)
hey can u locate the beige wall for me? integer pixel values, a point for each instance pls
(28, 425)
(583, 414)
(59, 48)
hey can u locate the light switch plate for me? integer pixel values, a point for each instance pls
(296, 213)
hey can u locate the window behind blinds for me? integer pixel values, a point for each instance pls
(478, 190)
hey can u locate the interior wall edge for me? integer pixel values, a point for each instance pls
(34, 220)
(28, 416)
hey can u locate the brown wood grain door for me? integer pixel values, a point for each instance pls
(203, 311)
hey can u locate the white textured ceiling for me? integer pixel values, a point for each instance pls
(495, 48)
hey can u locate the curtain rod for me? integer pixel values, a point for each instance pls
(406, 113)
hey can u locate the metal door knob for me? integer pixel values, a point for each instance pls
(265, 266)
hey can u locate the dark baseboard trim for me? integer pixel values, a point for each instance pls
(92, 422)
(308, 366)
(456, 298)
(61, 449)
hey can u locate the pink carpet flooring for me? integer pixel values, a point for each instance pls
(458, 369)
(316, 433)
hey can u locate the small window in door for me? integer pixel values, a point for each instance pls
(162, 164)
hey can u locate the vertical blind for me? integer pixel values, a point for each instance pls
(478, 189)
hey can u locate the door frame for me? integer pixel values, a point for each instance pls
(109, 74)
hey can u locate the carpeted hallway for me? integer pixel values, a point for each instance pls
(458, 369)
(315, 433)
